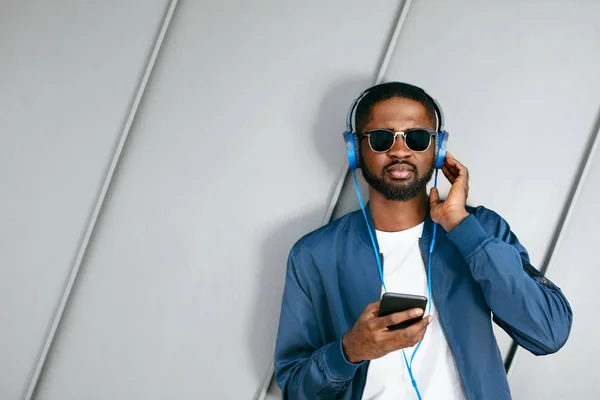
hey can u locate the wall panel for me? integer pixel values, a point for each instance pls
(68, 72)
(233, 158)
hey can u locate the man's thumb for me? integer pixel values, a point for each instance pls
(434, 196)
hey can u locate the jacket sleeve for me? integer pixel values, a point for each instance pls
(530, 308)
(306, 368)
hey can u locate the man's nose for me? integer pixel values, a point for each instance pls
(399, 149)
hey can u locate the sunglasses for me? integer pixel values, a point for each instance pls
(382, 140)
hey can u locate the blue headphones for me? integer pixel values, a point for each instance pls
(353, 148)
(353, 142)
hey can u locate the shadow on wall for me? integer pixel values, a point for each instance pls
(328, 127)
(330, 123)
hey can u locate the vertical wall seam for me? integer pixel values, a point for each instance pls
(584, 169)
(56, 320)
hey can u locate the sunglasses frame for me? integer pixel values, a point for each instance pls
(367, 134)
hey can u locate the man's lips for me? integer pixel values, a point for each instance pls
(400, 171)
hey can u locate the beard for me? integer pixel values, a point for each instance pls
(394, 189)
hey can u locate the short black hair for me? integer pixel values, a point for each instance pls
(387, 91)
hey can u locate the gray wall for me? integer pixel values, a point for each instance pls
(68, 72)
(573, 372)
(234, 155)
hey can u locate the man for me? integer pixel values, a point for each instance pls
(331, 342)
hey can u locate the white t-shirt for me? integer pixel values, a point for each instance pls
(433, 366)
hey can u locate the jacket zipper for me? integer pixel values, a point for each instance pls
(444, 332)
(369, 362)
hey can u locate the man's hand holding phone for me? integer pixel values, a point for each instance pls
(370, 337)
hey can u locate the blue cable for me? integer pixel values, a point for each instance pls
(362, 207)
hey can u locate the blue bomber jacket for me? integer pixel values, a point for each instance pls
(479, 273)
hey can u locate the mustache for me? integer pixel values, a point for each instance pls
(411, 165)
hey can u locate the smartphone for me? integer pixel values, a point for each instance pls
(396, 302)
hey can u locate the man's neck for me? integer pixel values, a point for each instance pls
(394, 216)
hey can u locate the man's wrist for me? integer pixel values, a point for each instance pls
(452, 220)
(346, 348)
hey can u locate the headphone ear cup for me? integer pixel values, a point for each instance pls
(352, 150)
(441, 144)
(436, 142)
(357, 150)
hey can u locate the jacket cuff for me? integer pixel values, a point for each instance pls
(469, 236)
(339, 367)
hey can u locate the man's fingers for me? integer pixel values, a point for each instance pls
(414, 333)
(455, 165)
(398, 317)
(452, 162)
(409, 336)
(372, 308)
(451, 168)
(450, 176)
(418, 328)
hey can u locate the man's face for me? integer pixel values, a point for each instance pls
(399, 174)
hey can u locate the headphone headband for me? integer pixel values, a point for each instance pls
(351, 112)
(350, 115)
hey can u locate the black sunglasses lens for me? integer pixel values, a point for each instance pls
(418, 139)
(381, 140)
